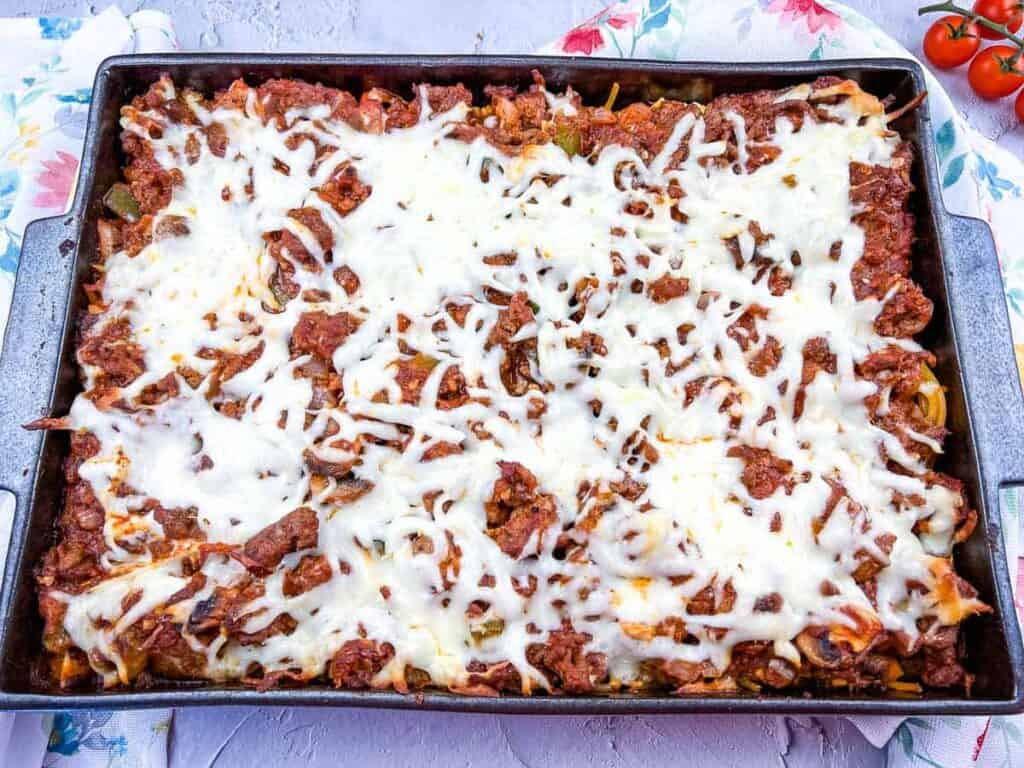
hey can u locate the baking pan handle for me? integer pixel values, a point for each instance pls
(30, 359)
(992, 388)
(991, 380)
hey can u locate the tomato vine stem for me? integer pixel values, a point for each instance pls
(951, 7)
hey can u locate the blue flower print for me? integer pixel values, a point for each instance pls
(79, 96)
(73, 732)
(10, 246)
(8, 188)
(58, 27)
(988, 174)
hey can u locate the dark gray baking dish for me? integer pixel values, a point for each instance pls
(954, 260)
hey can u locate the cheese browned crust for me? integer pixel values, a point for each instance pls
(530, 396)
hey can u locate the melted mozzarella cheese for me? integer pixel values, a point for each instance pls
(417, 243)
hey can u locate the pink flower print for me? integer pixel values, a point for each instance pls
(583, 40)
(816, 15)
(1019, 597)
(57, 181)
(980, 741)
(621, 20)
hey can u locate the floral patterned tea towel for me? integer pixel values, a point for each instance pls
(47, 67)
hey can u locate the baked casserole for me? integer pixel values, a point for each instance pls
(511, 397)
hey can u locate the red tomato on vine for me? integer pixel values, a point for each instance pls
(1008, 12)
(951, 41)
(996, 72)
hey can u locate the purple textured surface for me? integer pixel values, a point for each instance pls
(237, 736)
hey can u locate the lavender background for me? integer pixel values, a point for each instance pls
(239, 736)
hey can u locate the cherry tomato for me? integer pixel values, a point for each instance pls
(1018, 106)
(1009, 12)
(951, 41)
(996, 72)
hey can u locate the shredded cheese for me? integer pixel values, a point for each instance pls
(418, 243)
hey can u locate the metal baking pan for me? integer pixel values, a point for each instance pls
(954, 261)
